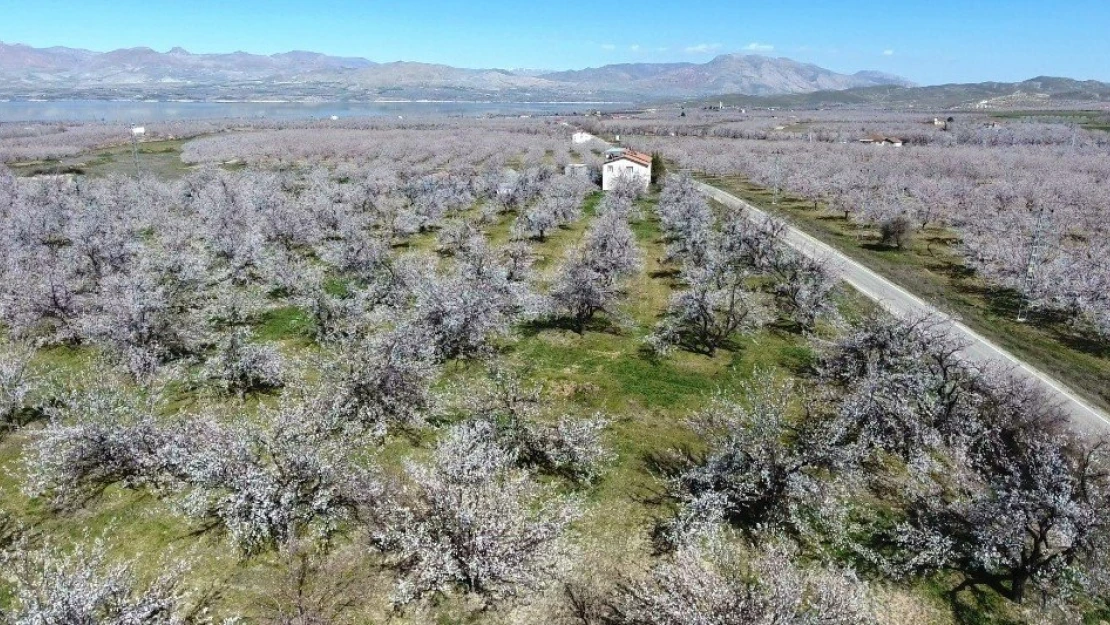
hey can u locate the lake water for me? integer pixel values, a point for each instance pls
(140, 112)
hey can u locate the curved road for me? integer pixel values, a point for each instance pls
(900, 302)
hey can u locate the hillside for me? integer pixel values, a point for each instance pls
(1039, 92)
(143, 73)
(728, 73)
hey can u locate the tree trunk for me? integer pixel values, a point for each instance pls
(1017, 587)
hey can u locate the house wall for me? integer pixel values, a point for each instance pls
(577, 169)
(612, 170)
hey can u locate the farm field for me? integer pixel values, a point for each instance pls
(952, 216)
(161, 159)
(932, 267)
(418, 372)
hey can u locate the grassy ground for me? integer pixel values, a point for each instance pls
(933, 268)
(161, 159)
(1090, 120)
(601, 370)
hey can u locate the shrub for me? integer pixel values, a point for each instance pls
(895, 231)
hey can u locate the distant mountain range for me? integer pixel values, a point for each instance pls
(1036, 93)
(729, 73)
(58, 73)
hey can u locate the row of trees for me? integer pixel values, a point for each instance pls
(176, 274)
(974, 471)
(1003, 201)
(160, 273)
(849, 126)
(165, 275)
(423, 148)
(474, 518)
(733, 267)
(590, 279)
(330, 139)
(974, 474)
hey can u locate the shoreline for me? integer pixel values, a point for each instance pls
(323, 102)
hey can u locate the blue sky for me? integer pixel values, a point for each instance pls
(929, 42)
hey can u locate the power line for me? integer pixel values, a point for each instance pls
(1031, 264)
(778, 180)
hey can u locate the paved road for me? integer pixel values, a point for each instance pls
(900, 302)
(1085, 418)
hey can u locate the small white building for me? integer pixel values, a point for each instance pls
(577, 169)
(579, 138)
(625, 164)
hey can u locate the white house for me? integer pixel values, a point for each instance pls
(625, 164)
(577, 169)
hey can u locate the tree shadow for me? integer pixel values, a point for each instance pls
(875, 246)
(955, 271)
(1008, 303)
(649, 355)
(1084, 342)
(785, 327)
(939, 238)
(801, 361)
(672, 462)
(22, 418)
(976, 606)
(598, 323)
(690, 345)
(665, 274)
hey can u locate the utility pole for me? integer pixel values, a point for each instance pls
(777, 181)
(136, 132)
(1036, 243)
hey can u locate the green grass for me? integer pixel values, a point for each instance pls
(288, 323)
(1088, 120)
(601, 370)
(161, 159)
(605, 370)
(933, 268)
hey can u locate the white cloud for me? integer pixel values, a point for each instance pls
(608, 46)
(634, 47)
(888, 52)
(702, 48)
(759, 47)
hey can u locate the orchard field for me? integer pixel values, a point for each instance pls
(376, 371)
(990, 218)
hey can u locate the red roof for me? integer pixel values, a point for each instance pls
(636, 157)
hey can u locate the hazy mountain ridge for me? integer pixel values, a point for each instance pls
(143, 72)
(1039, 92)
(728, 73)
(23, 63)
